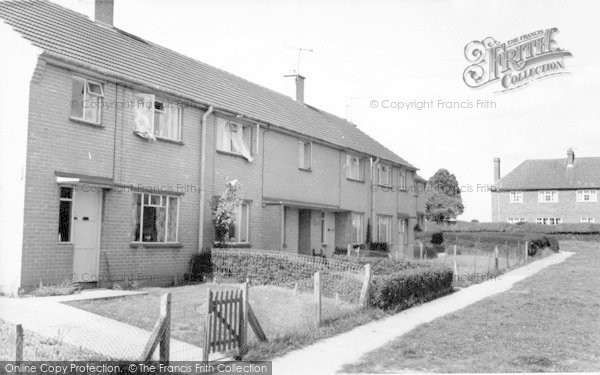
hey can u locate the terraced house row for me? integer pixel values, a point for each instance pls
(119, 146)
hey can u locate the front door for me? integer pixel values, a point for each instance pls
(304, 232)
(87, 211)
(403, 235)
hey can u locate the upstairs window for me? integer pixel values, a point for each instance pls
(305, 155)
(167, 120)
(547, 196)
(234, 138)
(354, 169)
(516, 197)
(156, 218)
(587, 196)
(402, 180)
(384, 173)
(86, 100)
(157, 118)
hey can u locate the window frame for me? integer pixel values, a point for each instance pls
(302, 155)
(545, 193)
(515, 197)
(247, 141)
(361, 227)
(580, 196)
(167, 211)
(587, 220)
(238, 214)
(388, 240)
(380, 170)
(165, 103)
(86, 99)
(61, 199)
(359, 168)
(516, 220)
(402, 179)
(548, 220)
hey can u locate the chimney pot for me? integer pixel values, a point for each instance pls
(104, 11)
(496, 169)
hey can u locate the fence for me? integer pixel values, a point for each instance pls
(339, 279)
(476, 261)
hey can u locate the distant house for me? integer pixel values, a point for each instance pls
(118, 146)
(548, 191)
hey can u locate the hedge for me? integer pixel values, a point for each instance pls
(395, 283)
(400, 290)
(575, 228)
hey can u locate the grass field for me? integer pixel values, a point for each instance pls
(38, 348)
(287, 318)
(548, 322)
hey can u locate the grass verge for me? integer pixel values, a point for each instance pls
(39, 348)
(548, 322)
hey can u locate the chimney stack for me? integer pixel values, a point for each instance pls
(104, 11)
(570, 158)
(496, 169)
(300, 88)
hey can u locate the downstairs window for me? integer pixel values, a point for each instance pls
(156, 218)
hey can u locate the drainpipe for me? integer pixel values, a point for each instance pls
(371, 194)
(202, 177)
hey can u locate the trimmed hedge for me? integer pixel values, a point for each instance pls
(400, 290)
(395, 283)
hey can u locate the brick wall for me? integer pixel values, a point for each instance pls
(566, 208)
(112, 151)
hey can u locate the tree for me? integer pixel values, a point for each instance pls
(224, 209)
(444, 201)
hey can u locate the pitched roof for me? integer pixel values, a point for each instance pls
(67, 35)
(552, 174)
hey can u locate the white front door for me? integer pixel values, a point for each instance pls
(87, 211)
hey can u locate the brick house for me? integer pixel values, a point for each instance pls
(548, 191)
(118, 146)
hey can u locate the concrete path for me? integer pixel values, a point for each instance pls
(329, 355)
(50, 318)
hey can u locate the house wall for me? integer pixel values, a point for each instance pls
(566, 208)
(113, 152)
(110, 151)
(16, 74)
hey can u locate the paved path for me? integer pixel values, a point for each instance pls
(49, 317)
(329, 355)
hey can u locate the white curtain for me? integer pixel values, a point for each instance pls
(237, 141)
(144, 116)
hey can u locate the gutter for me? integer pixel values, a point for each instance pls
(208, 112)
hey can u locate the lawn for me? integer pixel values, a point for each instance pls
(548, 322)
(38, 348)
(287, 318)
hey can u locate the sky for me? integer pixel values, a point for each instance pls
(366, 54)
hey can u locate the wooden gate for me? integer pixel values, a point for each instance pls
(228, 314)
(225, 324)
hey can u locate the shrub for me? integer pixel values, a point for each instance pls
(541, 242)
(399, 290)
(381, 246)
(437, 238)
